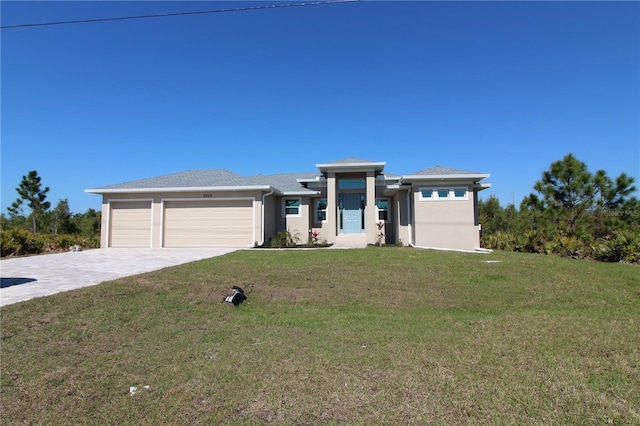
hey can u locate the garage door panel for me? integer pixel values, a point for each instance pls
(130, 224)
(218, 223)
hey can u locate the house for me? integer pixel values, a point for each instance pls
(342, 200)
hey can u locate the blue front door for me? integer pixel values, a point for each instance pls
(351, 212)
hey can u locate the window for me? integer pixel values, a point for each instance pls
(435, 194)
(352, 184)
(460, 193)
(443, 193)
(292, 206)
(321, 210)
(426, 193)
(382, 209)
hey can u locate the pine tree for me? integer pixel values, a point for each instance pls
(31, 192)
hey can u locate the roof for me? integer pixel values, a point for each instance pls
(286, 183)
(213, 179)
(444, 173)
(188, 179)
(439, 170)
(352, 164)
(282, 183)
(351, 160)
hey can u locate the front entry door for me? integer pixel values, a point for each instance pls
(351, 212)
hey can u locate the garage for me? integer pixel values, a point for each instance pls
(208, 223)
(130, 224)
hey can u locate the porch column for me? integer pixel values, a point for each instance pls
(370, 216)
(332, 207)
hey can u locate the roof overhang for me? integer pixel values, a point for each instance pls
(179, 189)
(301, 193)
(311, 179)
(394, 188)
(482, 186)
(447, 177)
(360, 166)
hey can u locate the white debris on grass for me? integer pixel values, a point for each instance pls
(134, 389)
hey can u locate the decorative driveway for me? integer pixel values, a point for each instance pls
(25, 278)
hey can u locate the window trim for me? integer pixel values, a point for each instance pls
(451, 193)
(388, 210)
(284, 207)
(317, 210)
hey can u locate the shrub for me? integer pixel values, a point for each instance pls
(285, 238)
(499, 241)
(622, 246)
(568, 246)
(18, 242)
(532, 241)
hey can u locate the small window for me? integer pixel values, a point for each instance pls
(443, 194)
(382, 207)
(352, 184)
(292, 206)
(321, 210)
(460, 193)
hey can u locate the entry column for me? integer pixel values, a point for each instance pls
(332, 207)
(370, 212)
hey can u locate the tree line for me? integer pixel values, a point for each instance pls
(571, 212)
(32, 226)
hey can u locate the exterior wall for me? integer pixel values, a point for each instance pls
(157, 207)
(445, 223)
(400, 208)
(390, 227)
(104, 223)
(322, 227)
(297, 225)
(271, 212)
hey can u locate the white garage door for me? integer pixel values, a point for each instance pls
(130, 224)
(215, 223)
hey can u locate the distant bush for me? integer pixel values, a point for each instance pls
(18, 242)
(622, 246)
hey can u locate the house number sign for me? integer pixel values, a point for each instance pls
(207, 195)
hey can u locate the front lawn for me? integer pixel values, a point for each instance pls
(371, 336)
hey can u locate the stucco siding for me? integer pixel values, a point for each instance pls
(445, 223)
(297, 224)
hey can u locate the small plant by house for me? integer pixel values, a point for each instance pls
(286, 238)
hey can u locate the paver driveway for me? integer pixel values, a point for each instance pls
(35, 276)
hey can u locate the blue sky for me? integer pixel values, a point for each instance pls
(504, 88)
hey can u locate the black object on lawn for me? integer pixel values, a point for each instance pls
(236, 297)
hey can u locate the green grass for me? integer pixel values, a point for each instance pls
(373, 336)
